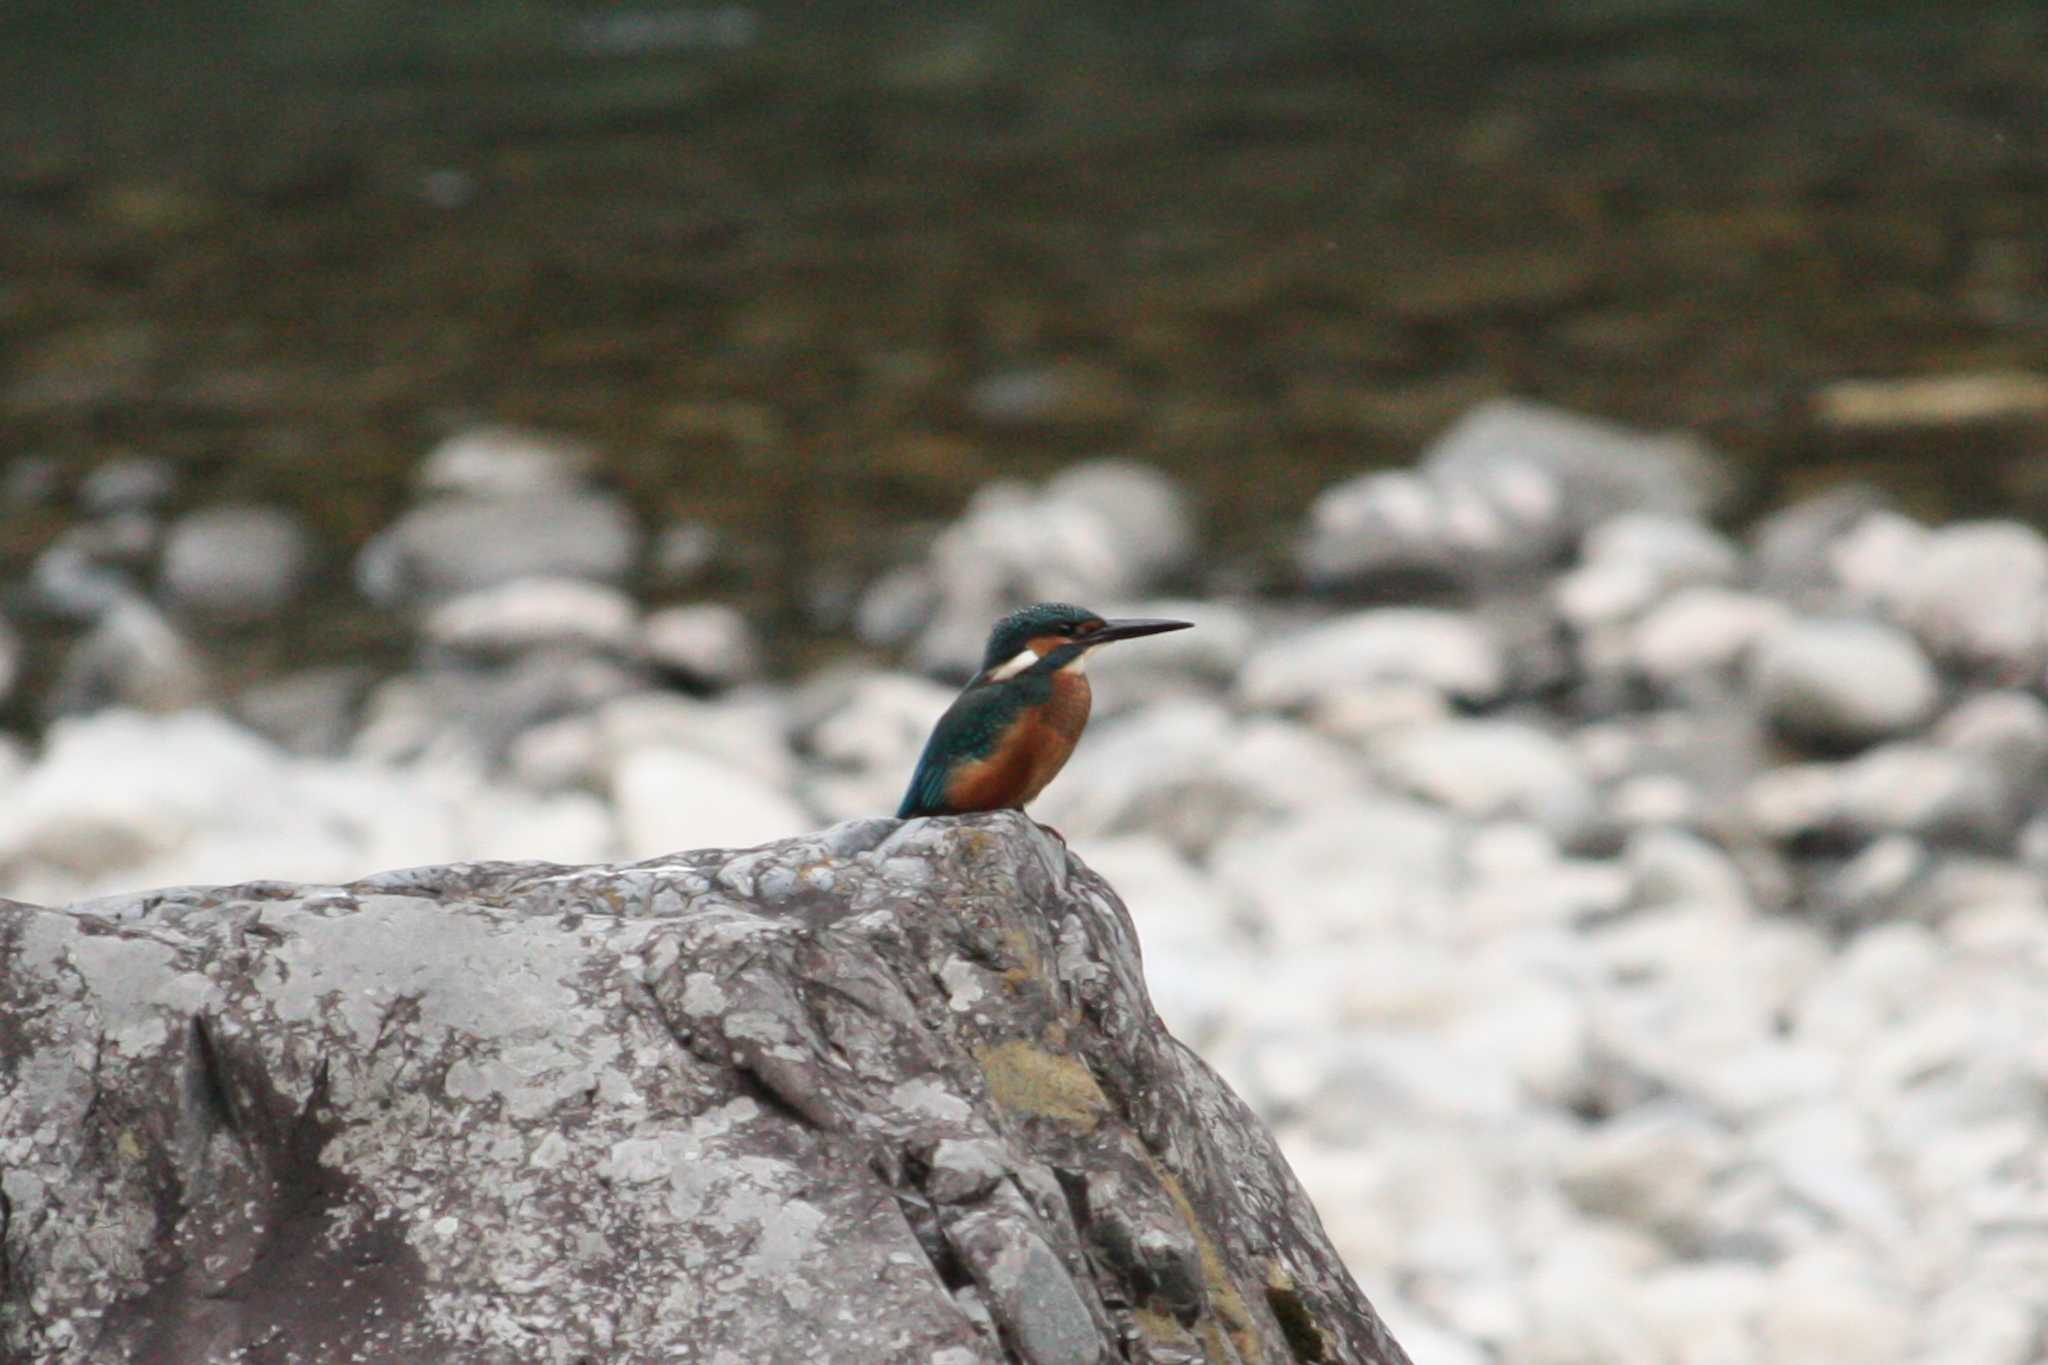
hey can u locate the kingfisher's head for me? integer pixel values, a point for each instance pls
(1050, 636)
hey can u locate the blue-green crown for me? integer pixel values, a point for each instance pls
(1016, 630)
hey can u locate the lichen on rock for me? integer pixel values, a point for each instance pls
(889, 1092)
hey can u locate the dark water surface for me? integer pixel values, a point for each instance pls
(812, 276)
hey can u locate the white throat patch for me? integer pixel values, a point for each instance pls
(1017, 664)
(1013, 667)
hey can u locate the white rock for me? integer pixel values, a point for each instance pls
(1824, 1155)
(69, 580)
(1282, 766)
(672, 798)
(1155, 532)
(474, 713)
(568, 751)
(866, 722)
(1934, 793)
(1800, 798)
(1826, 1304)
(1842, 683)
(2009, 728)
(310, 711)
(1399, 525)
(1537, 1031)
(1583, 1306)
(1680, 551)
(1194, 954)
(1490, 769)
(114, 788)
(1631, 562)
(1604, 592)
(1152, 770)
(745, 728)
(1876, 559)
(1424, 1339)
(133, 483)
(1701, 632)
(1361, 715)
(1970, 1325)
(1604, 468)
(1882, 976)
(504, 461)
(897, 606)
(1448, 651)
(1980, 598)
(1869, 884)
(1407, 983)
(1654, 800)
(1517, 880)
(709, 643)
(456, 544)
(1344, 873)
(1672, 867)
(120, 800)
(1651, 1166)
(1794, 546)
(1509, 486)
(235, 560)
(1185, 770)
(1705, 1312)
(1415, 1073)
(528, 613)
(133, 657)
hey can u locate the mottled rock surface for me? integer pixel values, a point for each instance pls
(884, 1093)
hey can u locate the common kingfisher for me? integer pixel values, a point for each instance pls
(1011, 731)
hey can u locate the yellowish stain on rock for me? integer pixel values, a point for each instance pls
(1225, 1299)
(1163, 1329)
(1026, 1079)
(1026, 964)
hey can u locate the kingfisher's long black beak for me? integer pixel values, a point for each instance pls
(1132, 628)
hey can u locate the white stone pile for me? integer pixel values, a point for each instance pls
(1642, 952)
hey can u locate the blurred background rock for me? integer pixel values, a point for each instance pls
(1604, 448)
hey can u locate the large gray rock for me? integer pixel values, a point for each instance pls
(453, 545)
(534, 613)
(885, 1093)
(1510, 488)
(235, 560)
(1451, 652)
(1492, 769)
(498, 462)
(1843, 683)
(133, 657)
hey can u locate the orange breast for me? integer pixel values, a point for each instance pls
(1053, 730)
(1030, 755)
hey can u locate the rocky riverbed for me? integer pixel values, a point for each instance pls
(1635, 930)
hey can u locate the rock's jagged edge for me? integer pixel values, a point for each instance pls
(884, 1093)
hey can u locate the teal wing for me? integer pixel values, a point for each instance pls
(969, 730)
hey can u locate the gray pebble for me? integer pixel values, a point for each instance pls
(1842, 683)
(234, 561)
